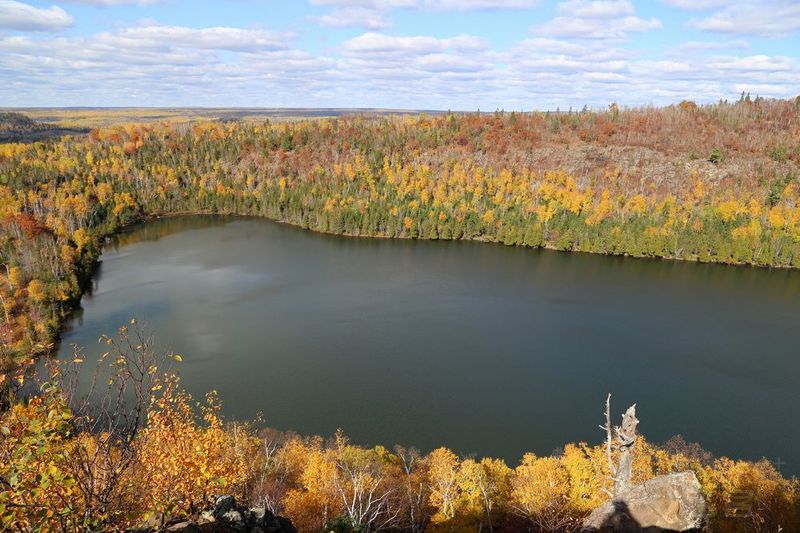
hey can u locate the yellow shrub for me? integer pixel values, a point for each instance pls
(37, 492)
(182, 462)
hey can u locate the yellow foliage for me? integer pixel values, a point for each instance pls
(540, 483)
(81, 238)
(601, 210)
(751, 230)
(776, 218)
(545, 212)
(637, 205)
(443, 479)
(483, 486)
(9, 204)
(729, 210)
(185, 454)
(183, 461)
(588, 473)
(36, 291)
(15, 277)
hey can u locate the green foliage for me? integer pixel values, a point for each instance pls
(342, 524)
(778, 153)
(36, 487)
(15, 120)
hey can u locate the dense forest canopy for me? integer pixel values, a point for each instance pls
(10, 120)
(713, 183)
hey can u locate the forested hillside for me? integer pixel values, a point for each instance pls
(18, 127)
(716, 183)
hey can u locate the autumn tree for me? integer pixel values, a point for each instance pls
(540, 493)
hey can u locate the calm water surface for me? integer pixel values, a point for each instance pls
(483, 348)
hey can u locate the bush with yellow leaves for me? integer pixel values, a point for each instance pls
(182, 462)
(541, 492)
(37, 491)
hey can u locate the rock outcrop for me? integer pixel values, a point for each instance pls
(665, 503)
(226, 516)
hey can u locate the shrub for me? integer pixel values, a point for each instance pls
(778, 153)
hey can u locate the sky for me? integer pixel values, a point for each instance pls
(403, 54)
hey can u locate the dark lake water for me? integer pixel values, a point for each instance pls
(482, 348)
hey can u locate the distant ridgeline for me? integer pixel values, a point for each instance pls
(12, 121)
(712, 183)
(16, 127)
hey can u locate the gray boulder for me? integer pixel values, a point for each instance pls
(222, 505)
(665, 503)
(226, 516)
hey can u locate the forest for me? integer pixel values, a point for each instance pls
(18, 127)
(712, 183)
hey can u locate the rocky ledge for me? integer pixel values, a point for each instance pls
(226, 516)
(665, 503)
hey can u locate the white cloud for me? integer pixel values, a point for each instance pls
(429, 68)
(371, 14)
(596, 28)
(381, 45)
(354, 17)
(580, 57)
(372, 4)
(149, 67)
(108, 3)
(465, 5)
(708, 46)
(23, 17)
(377, 43)
(771, 18)
(595, 8)
(221, 38)
(589, 60)
(448, 63)
(696, 4)
(466, 43)
(595, 19)
(462, 5)
(757, 63)
(555, 46)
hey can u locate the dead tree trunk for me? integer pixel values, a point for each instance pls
(621, 439)
(626, 438)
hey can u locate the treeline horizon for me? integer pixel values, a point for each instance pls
(568, 108)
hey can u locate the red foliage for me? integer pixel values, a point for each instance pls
(29, 226)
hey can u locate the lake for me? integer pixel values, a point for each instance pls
(486, 349)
